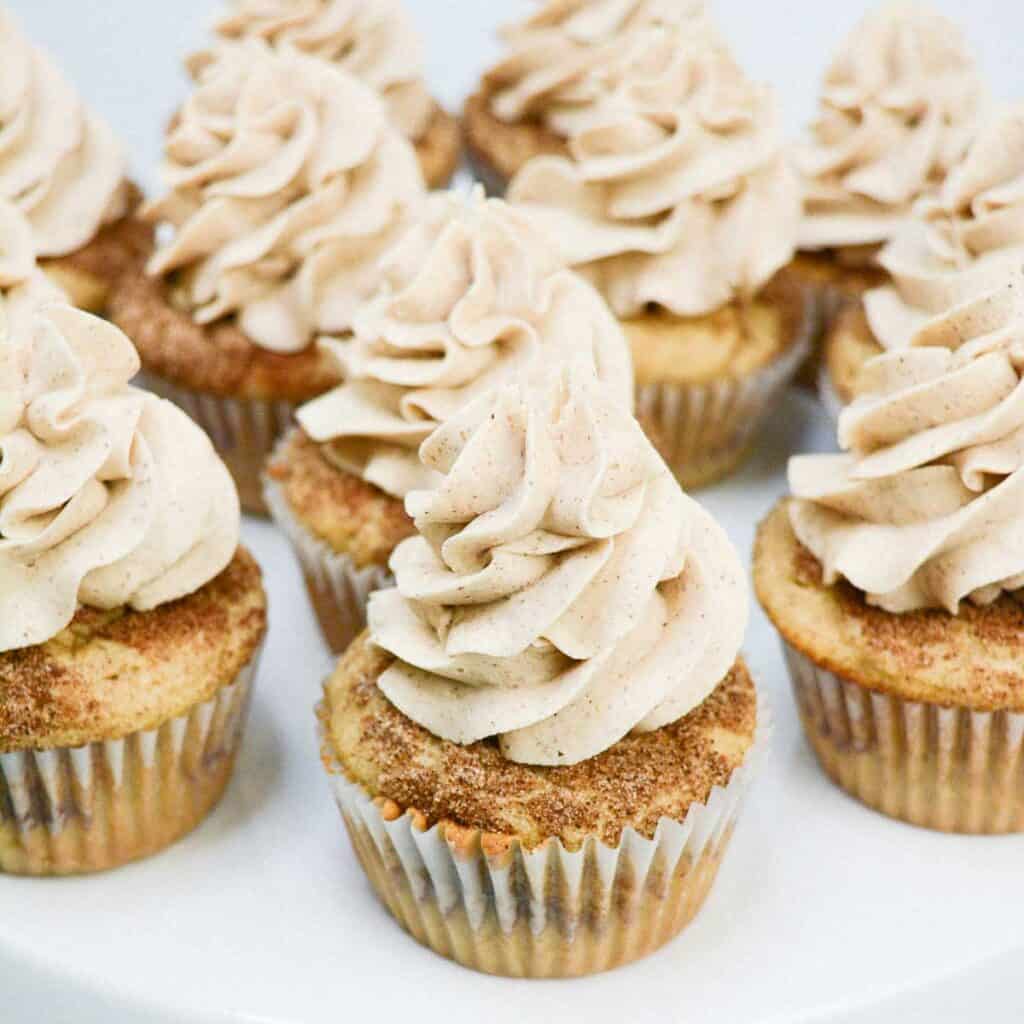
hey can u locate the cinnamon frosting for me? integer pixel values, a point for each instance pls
(59, 163)
(565, 59)
(109, 496)
(962, 243)
(472, 295)
(562, 590)
(374, 40)
(926, 508)
(23, 287)
(680, 194)
(899, 106)
(287, 183)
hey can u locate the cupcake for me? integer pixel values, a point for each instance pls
(894, 576)
(562, 61)
(373, 40)
(681, 207)
(960, 244)
(132, 619)
(539, 746)
(472, 295)
(898, 107)
(23, 286)
(286, 184)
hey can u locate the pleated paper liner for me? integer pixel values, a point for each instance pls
(704, 431)
(338, 589)
(491, 905)
(75, 810)
(945, 768)
(243, 430)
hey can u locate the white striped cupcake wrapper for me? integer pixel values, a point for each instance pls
(945, 768)
(546, 912)
(72, 810)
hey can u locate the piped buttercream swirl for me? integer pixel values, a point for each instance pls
(59, 163)
(109, 496)
(471, 296)
(374, 40)
(562, 590)
(23, 286)
(680, 195)
(899, 106)
(962, 243)
(926, 507)
(287, 183)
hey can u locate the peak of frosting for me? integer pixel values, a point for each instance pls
(472, 295)
(679, 194)
(899, 106)
(287, 182)
(566, 58)
(961, 243)
(926, 508)
(59, 163)
(562, 590)
(374, 40)
(109, 496)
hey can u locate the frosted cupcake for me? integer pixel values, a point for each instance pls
(562, 62)
(132, 619)
(470, 297)
(894, 577)
(960, 244)
(680, 205)
(373, 40)
(63, 168)
(23, 286)
(287, 183)
(540, 745)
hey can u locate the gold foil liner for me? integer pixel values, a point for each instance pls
(338, 589)
(77, 810)
(243, 430)
(944, 768)
(549, 912)
(704, 431)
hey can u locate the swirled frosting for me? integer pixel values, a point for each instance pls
(562, 591)
(899, 106)
(471, 295)
(680, 195)
(566, 59)
(374, 40)
(23, 287)
(59, 163)
(926, 508)
(109, 496)
(287, 182)
(962, 243)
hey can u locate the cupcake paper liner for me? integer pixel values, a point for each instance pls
(944, 768)
(75, 810)
(703, 431)
(493, 906)
(338, 588)
(243, 430)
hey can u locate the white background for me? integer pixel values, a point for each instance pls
(824, 911)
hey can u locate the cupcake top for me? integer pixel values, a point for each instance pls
(899, 105)
(961, 243)
(566, 58)
(22, 285)
(562, 590)
(680, 194)
(59, 163)
(109, 496)
(374, 40)
(287, 182)
(471, 295)
(926, 508)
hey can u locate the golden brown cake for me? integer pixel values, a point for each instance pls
(439, 148)
(848, 345)
(918, 715)
(342, 528)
